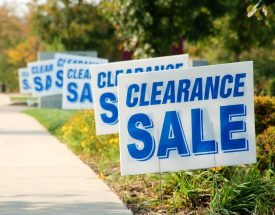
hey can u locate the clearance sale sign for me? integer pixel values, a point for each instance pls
(190, 118)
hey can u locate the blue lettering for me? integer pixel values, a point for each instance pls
(59, 76)
(132, 102)
(70, 73)
(129, 71)
(183, 88)
(199, 145)
(109, 80)
(169, 66)
(172, 136)
(60, 62)
(223, 92)
(238, 84)
(156, 92)
(143, 101)
(26, 84)
(179, 65)
(197, 90)
(212, 88)
(101, 82)
(48, 82)
(169, 93)
(86, 93)
(108, 102)
(139, 69)
(72, 90)
(137, 126)
(38, 84)
(149, 69)
(117, 73)
(230, 127)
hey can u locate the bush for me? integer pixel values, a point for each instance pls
(266, 149)
(264, 112)
(272, 87)
(79, 134)
(248, 191)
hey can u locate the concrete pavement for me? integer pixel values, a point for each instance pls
(41, 176)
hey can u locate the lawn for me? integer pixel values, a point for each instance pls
(23, 99)
(52, 119)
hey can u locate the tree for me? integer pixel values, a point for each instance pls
(24, 52)
(240, 38)
(10, 34)
(239, 33)
(262, 9)
(149, 28)
(75, 24)
(19, 55)
(11, 29)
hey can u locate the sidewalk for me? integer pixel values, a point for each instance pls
(40, 176)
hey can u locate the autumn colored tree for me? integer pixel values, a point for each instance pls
(10, 29)
(19, 55)
(24, 52)
(10, 35)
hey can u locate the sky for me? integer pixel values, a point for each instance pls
(20, 6)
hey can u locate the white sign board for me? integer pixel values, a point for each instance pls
(104, 85)
(42, 76)
(77, 92)
(191, 118)
(24, 81)
(60, 60)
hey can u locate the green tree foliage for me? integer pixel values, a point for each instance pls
(240, 38)
(238, 33)
(262, 9)
(75, 24)
(149, 28)
(272, 87)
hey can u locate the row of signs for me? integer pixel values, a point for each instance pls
(169, 117)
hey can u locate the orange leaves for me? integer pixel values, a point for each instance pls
(102, 176)
(24, 52)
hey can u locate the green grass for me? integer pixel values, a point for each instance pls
(52, 119)
(22, 99)
(247, 191)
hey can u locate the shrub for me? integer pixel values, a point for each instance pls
(79, 133)
(271, 88)
(264, 112)
(266, 149)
